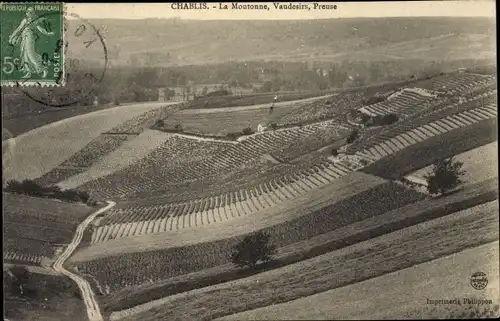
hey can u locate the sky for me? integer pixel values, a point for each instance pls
(344, 10)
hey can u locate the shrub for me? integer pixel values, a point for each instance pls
(254, 248)
(365, 119)
(445, 176)
(353, 136)
(77, 294)
(27, 187)
(374, 100)
(178, 127)
(389, 119)
(233, 135)
(363, 162)
(247, 131)
(30, 188)
(84, 196)
(70, 195)
(21, 283)
(335, 152)
(221, 92)
(159, 123)
(379, 120)
(273, 126)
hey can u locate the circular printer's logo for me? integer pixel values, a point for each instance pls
(478, 280)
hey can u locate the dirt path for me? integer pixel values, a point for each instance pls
(93, 311)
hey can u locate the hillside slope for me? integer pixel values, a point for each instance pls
(405, 292)
(181, 42)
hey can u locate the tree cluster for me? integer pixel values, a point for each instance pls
(18, 282)
(445, 176)
(247, 131)
(379, 120)
(31, 188)
(254, 249)
(352, 136)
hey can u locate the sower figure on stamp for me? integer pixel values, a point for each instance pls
(25, 36)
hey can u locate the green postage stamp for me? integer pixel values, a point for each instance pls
(32, 44)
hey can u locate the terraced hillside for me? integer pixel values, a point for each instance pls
(140, 220)
(183, 158)
(449, 116)
(209, 254)
(185, 201)
(130, 151)
(176, 159)
(426, 152)
(456, 83)
(407, 99)
(183, 259)
(104, 144)
(84, 158)
(35, 228)
(324, 109)
(138, 124)
(411, 104)
(361, 261)
(37, 152)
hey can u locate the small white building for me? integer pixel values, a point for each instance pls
(261, 128)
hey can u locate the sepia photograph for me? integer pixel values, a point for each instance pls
(249, 161)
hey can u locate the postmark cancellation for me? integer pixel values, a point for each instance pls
(31, 47)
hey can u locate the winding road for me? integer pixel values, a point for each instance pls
(93, 311)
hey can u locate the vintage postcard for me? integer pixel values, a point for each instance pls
(249, 161)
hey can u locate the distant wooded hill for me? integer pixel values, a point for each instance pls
(169, 42)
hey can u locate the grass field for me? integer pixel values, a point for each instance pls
(479, 164)
(56, 298)
(36, 152)
(381, 255)
(38, 227)
(247, 100)
(428, 151)
(335, 239)
(24, 123)
(220, 122)
(405, 292)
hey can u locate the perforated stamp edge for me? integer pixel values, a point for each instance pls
(47, 82)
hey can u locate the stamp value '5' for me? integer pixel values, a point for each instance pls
(31, 48)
